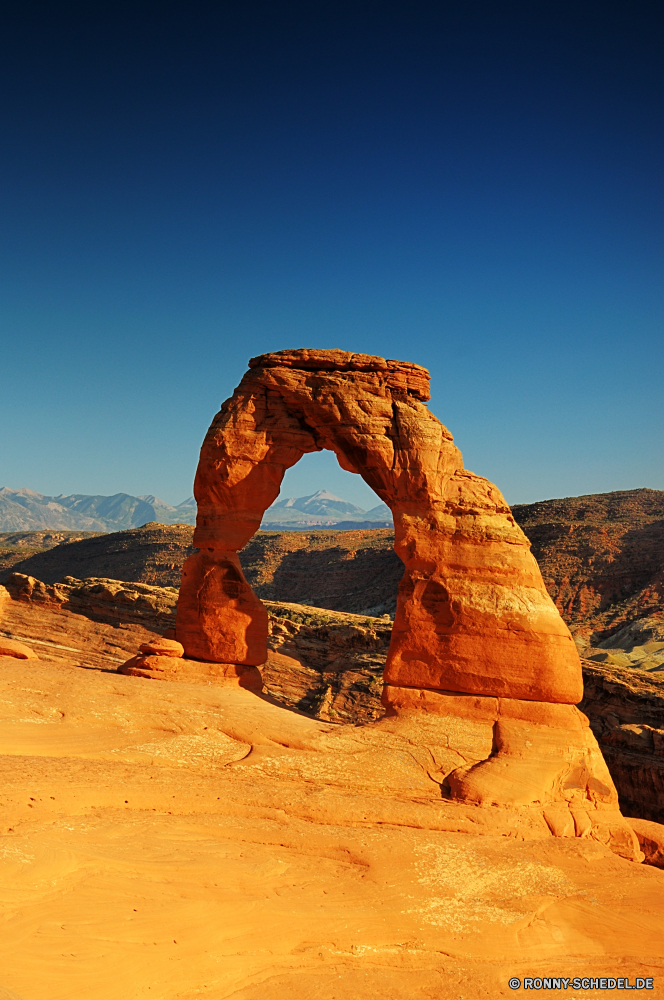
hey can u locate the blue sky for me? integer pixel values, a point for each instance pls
(476, 187)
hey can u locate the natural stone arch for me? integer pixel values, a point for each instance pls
(473, 615)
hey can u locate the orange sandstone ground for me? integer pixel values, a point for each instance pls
(190, 840)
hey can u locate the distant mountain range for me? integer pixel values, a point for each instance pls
(27, 510)
(322, 509)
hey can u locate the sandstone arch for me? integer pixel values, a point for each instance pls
(473, 615)
(482, 672)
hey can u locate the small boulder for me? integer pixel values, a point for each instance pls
(149, 665)
(11, 647)
(162, 647)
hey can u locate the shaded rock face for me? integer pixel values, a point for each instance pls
(626, 711)
(326, 664)
(153, 554)
(601, 556)
(352, 571)
(472, 614)
(20, 546)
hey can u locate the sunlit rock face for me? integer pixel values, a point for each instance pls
(473, 614)
(477, 642)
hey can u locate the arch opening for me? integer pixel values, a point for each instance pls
(321, 550)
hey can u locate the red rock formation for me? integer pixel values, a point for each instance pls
(162, 659)
(477, 641)
(162, 647)
(473, 614)
(651, 840)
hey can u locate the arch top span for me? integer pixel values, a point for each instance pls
(399, 375)
(473, 615)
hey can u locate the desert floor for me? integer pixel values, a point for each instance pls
(165, 840)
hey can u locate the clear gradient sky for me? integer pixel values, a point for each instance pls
(473, 186)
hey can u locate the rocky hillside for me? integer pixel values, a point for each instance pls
(153, 554)
(17, 546)
(601, 556)
(354, 571)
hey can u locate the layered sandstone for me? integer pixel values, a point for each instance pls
(477, 642)
(99, 599)
(175, 839)
(473, 614)
(601, 556)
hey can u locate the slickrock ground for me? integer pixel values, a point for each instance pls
(329, 665)
(191, 840)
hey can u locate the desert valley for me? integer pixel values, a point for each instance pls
(372, 782)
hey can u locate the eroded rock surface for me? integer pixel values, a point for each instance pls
(473, 614)
(161, 838)
(626, 711)
(476, 640)
(601, 556)
(330, 665)
(326, 663)
(100, 598)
